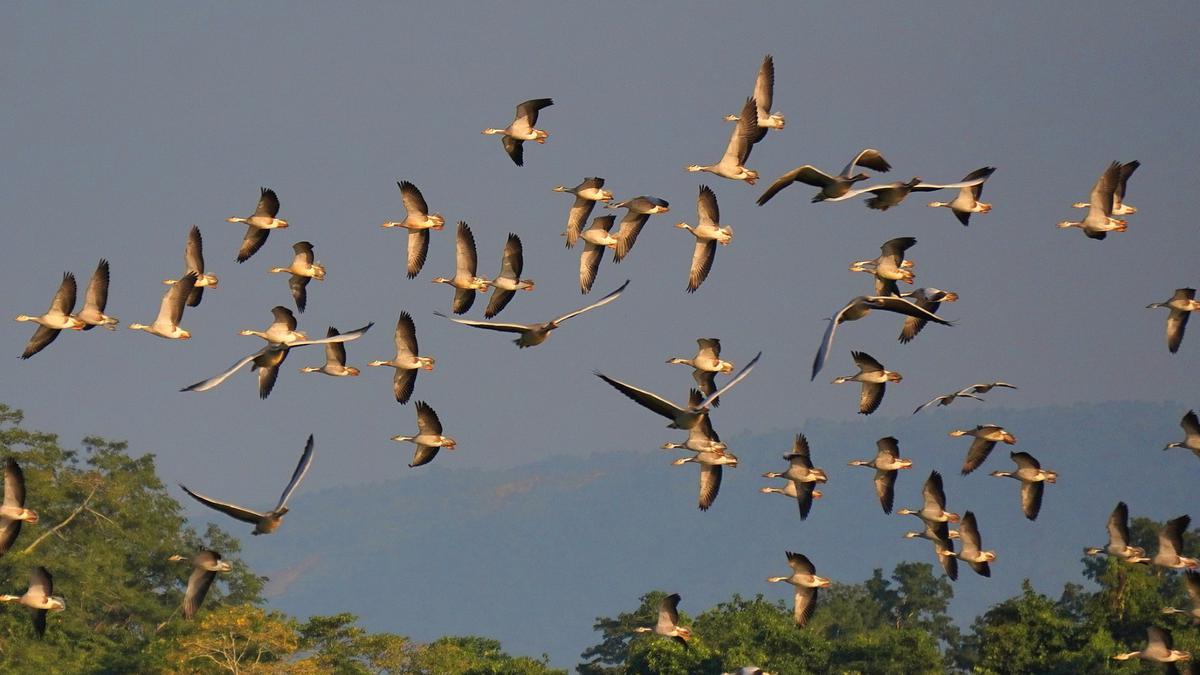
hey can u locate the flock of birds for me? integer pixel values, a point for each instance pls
(918, 308)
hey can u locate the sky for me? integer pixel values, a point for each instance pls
(124, 124)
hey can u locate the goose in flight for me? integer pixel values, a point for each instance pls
(710, 473)
(170, 311)
(335, 359)
(967, 201)
(702, 437)
(972, 551)
(1192, 582)
(1191, 434)
(874, 378)
(890, 267)
(986, 437)
(1033, 481)
(1099, 221)
(264, 523)
(205, 566)
(1119, 207)
(96, 299)
(1159, 649)
(705, 365)
(429, 438)
(56, 319)
(260, 224)
(406, 362)
(943, 540)
(746, 133)
(637, 211)
(282, 329)
(39, 598)
(522, 129)
(681, 418)
(668, 622)
(764, 92)
(708, 233)
(587, 193)
(193, 261)
(465, 281)
(971, 391)
(789, 489)
(12, 510)
(303, 269)
(1170, 546)
(887, 195)
(509, 281)
(929, 299)
(418, 221)
(887, 463)
(804, 578)
(861, 306)
(532, 334)
(833, 188)
(801, 474)
(1182, 304)
(934, 508)
(1119, 545)
(595, 239)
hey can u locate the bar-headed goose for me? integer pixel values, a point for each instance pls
(1159, 649)
(465, 281)
(39, 598)
(522, 129)
(418, 221)
(887, 463)
(205, 566)
(260, 224)
(1119, 207)
(1192, 582)
(302, 269)
(668, 622)
(193, 261)
(833, 188)
(986, 436)
(282, 329)
(12, 510)
(929, 299)
(972, 551)
(264, 523)
(96, 299)
(1191, 434)
(1033, 481)
(708, 233)
(170, 311)
(861, 306)
(587, 193)
(1182, 304)
(335, 359)
(532, 334)
(429, 438)
(804, 578)
(406, 362)
(1170, 546)
(764, 93)
(56, 319)
(702, 437)
(509, 281)
(710, 473)
(681, 418)
(1099, 221)
(705, 365)
(746, 133)
(874, 378)
(1118, 539)
(967, 200)
(933, 510)
(595, 239)
(637, 211)
(890, 266)
(943, 540)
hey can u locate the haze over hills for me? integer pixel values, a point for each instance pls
(531, 555)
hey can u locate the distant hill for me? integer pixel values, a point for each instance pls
(532, 555)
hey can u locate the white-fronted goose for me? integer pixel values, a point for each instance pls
(1118, 539)
(1170, 546)
(1191, 581)
(205, 566)
(1191, 434)
(418, 221)
(282, 330)
(522, 129)
(986, 436)
(705, 365)
(1182, 304)
(1159, 649)
(801, 474)
(170, 311)
(746, 133)
(260, 224)
(970, 391)
(95, 299)
(56, 319)
(804, 578)
(764, 93)
(874, 378)
(509, 281)
(193, 261)
(833, 188)
(1033, 481)
(264, 523)
(587, 193)
(933, 510)
(887, 463)
(967, 200)
(861, 306)
(702, 437)
(303, 268)
(972, 551)
(681, 418)
(710, 473)
(533, 334)
(465, 281)
(1099, 221)
(708, 233)
(335, 359)
(890, 266)
(668, 622)
(12, 510)
(406, 362)
(1119, 207)
(928, 299)
(942, 537)
(40, 598)
(595, 239)
(637, 211)
(429, 438)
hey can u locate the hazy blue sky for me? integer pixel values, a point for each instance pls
(124, 124)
